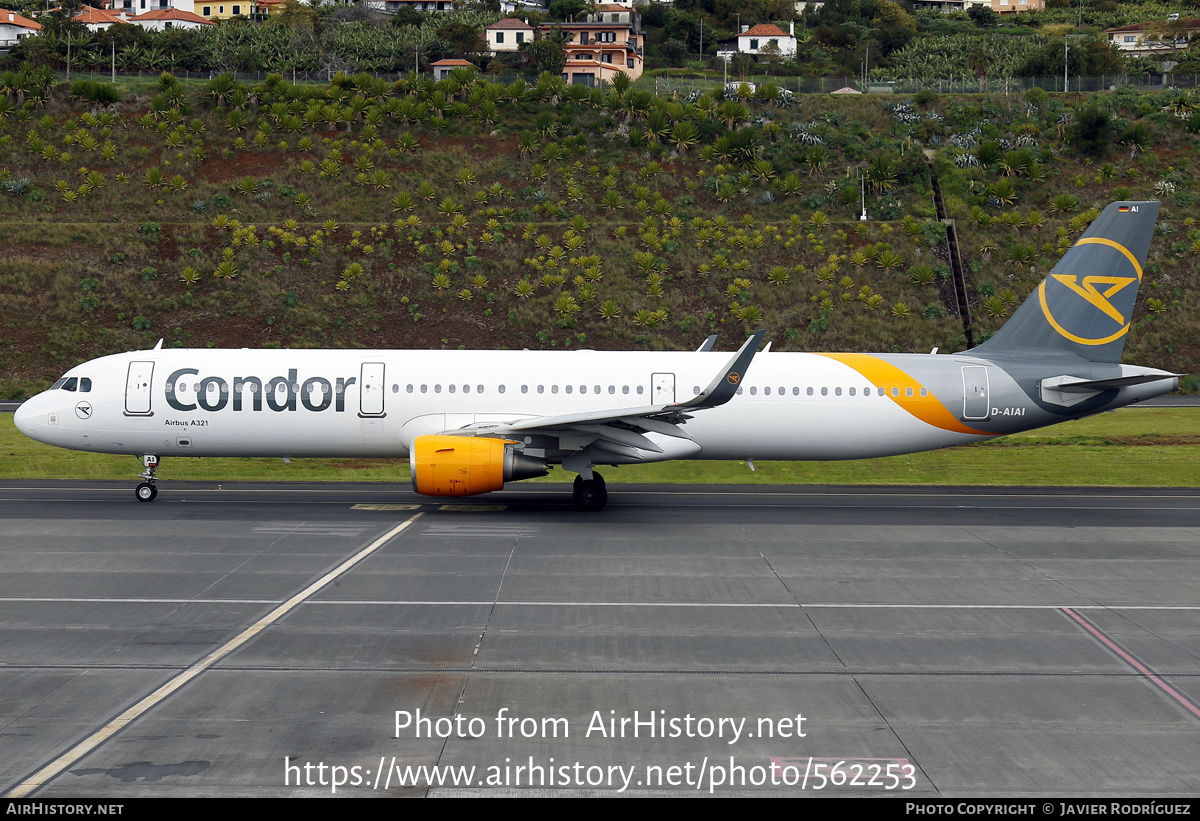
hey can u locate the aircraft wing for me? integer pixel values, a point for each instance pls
(622, 430)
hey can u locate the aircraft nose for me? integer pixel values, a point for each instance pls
(24, 415)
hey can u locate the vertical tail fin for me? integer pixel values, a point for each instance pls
(1084, 306)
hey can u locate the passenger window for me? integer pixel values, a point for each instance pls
(409, 389)
(568, 388)
(837, 391)
(85, 385)
(597, 389)
(395, 388)
(541, 388)
(501, 389)
(466, 388)
(695, 390)
(881, 392)
(424, 388)
(810, 391)
(852, 391)
(766, 391)
(624, 389)
(639, 389)
(739, 391)
(582, 389)
(437, 388)
(895, 391)
(479, 389)
(795, 391)
(449, 388)
(612, 388)
(908, 391)
(754, 391)
(924, 392)
(554, 389)
(524, 389)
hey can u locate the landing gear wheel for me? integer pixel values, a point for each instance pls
(590, 494)
(146, 492)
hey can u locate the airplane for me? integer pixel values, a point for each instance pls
(471, 421)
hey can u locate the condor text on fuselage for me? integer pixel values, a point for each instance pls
(280, 393)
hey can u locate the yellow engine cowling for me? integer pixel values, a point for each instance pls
(465, 465)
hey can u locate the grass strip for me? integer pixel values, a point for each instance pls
(1146, 447)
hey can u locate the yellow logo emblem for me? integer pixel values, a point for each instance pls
(1096, 290)
(1088, 291)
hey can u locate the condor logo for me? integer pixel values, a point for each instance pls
(1060, 296)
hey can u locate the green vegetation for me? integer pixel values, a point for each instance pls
(467, 213)
(1114, 449)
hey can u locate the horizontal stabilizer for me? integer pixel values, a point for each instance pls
(1071, 390)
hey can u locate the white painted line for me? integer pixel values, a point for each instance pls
(490, 603)
(44, 775)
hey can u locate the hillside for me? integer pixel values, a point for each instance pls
(467, 214)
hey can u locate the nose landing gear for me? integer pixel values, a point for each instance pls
(147, 491)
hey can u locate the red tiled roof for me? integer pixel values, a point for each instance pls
(11, 18)
(93, 16)
(178, 15)
(453, 63)
(765, 30)
(511, 23)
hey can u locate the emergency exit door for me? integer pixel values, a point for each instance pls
(137, 388)
(975, 392)
(371, 389)
(662, 388)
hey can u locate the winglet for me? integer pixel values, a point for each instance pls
(725, 385)
(707, 345)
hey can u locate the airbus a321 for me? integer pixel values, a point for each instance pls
(470, 421)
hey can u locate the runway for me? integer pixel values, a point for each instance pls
(260, 640)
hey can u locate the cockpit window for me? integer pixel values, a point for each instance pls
(85, 384)
(71, 384)
(58, 384)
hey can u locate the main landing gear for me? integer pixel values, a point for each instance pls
(147, 491)
(590, 494)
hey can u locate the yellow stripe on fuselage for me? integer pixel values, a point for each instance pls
(887, 376)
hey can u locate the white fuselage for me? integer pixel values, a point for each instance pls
(329, 403)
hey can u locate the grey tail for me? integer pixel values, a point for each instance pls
(1085, 305)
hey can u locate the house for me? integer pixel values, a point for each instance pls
(94, 19)
(393, 6)
(128, 9)
(519, 6)
(944, 6)
(763, 39)
(608, 43)
(1154, 38)
(170, 18)
(223, 9)
(442, 68)
(14, 27)
(507, 35)
(1012, 6)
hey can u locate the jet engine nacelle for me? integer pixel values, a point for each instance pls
(465, 465)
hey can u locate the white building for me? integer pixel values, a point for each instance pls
(764, 39)
(14, 27)
(169, 18)
(507, 35)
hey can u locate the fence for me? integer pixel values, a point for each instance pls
(666, 86)
(670, 86)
